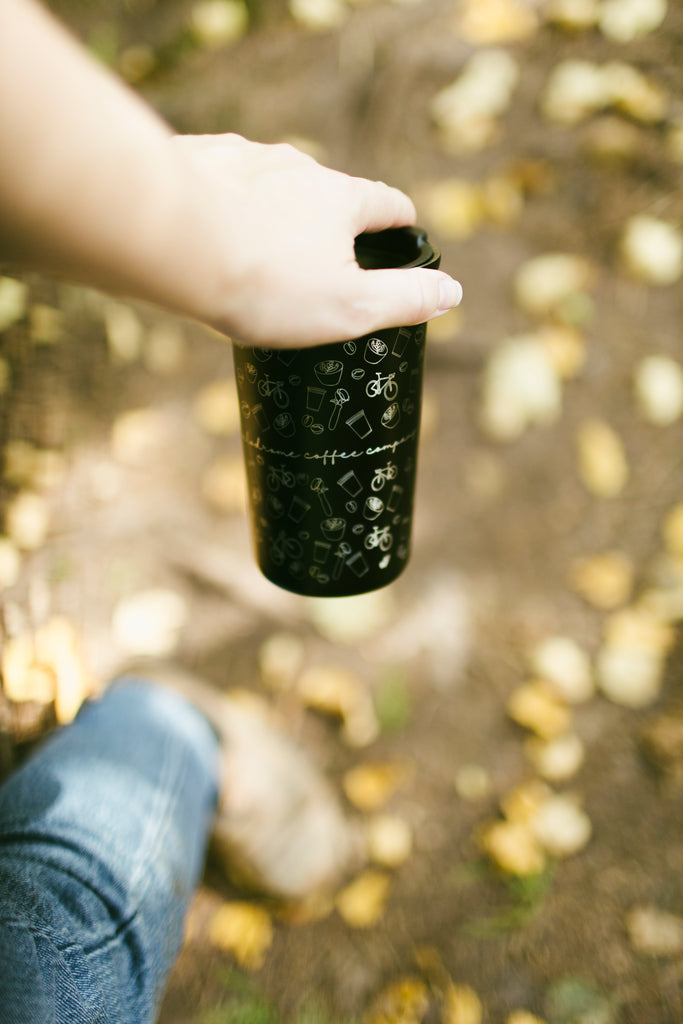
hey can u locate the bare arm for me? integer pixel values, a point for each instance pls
(256, 241)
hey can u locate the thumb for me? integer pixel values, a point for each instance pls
(406, 296)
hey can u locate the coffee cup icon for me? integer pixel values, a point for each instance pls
(390, 416)
(284, 424)
(333, 528)
(375, 350)
(373, 508)
(329, 372)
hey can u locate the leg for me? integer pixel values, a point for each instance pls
(102, 840)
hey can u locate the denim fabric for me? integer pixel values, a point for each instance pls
(102, 841)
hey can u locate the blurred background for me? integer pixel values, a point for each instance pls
(507, 719)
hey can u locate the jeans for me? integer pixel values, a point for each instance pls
(102, 842)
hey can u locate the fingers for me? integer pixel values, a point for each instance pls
(388, 298)
(381, 206)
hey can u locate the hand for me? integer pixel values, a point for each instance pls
(283, 230)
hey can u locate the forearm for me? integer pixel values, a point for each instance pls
(257, 241)
(87, 188)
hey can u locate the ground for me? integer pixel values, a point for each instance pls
(499, 525)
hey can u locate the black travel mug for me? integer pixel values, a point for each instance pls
(330, 438)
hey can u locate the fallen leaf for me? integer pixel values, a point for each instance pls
(27, 520)
(605, 580)
(218, 23)
(403, 1001)
(513, 847)
(370, 786)
(603, 466)
(468, 110)
(564, 664)
(453, 208)
(575, 90)
(523, 802)
(361, 904)
(652, 250)
(658, 387)
(523, 1017)
(243, 929)
(634, 94)
(571, 15)
(47, 665)
(389, 840)
(561, 826)
(537, 706)
(520, 389)
(544, 284)
(461, 1005)
(46, 324)
(489, 22)
(622, 21)
(13, 301)
(557, 759)
(334, 690)
(319, 15)
(473, 782)
(10, 563)
(655, 932)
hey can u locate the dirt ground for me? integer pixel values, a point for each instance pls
(498, 526)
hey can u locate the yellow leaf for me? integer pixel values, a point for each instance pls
(602, 460)
(369, 786)
(404, 1001)
(46, 324)
(334, 690)
(389, 840)
(13, 296)
(536, 706)
(461, 1005)
(512, 846)
(243, 929)
(361, 904)
(523, 1017)
(27, 520)
(47, 665)
(217, 23)
(605, 581)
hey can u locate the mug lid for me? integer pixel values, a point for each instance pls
(395, 247)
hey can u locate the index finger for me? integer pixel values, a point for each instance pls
(381, 206)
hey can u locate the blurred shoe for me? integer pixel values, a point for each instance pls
(279, 828)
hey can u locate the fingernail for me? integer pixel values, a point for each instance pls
(450, 293)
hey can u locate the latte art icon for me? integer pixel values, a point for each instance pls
(329, 372)
(375, 350)
(333, 528)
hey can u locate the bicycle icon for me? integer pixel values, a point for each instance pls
(277, 477)
(284, 547)
(379, 538)
(384, 384)
(274, 389)
(389, 472)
